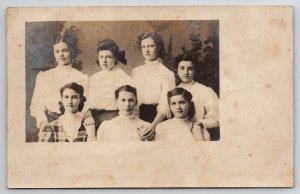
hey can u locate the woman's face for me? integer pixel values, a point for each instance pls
(106, 59)
(149, 49)
(179, 106)
(186, 71)
(70, 99)
(62, 53)
(126, 103)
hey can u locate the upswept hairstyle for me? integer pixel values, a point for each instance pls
(185, 57)
(77, 88)
(187, 96)
(69, 36)
(161, 52)
(111, 45)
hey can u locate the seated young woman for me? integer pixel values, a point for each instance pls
(181, 127)
(127, 126)
(71, 126)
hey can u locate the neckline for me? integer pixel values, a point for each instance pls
(65, 67)
(127, 117)
(113, 69)
(157, 61)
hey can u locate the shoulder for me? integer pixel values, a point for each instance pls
(202, 87)
(164, 124)
(163, 69)
(95, 76)
(79, 73)
(138, 69)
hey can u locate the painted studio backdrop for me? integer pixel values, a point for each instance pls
(199, 37)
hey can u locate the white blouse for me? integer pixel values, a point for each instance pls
(121, 128)
(175, 130)
(153, 81)
(47, 89)
(206, 103)
(102, 86)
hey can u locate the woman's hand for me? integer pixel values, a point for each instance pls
(147, 132)
(203, 127)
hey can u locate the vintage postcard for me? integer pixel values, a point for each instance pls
(150, 97)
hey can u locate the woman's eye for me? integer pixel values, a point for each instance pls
(191, 69)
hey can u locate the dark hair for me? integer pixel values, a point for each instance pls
(126, 88)
(109, 44)
(77, 88)
(69, 36)
(185, 57)
(187, 96)
(161, 51)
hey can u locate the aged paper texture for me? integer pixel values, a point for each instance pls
(254, 85)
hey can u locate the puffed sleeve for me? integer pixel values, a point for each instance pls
(102, 131)
(37, 105)
(91, 90)
(211, 105)
(168, 83)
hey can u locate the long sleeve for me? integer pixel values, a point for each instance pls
(168, 83)
(211, 106)
(37, 103)
(102, 130)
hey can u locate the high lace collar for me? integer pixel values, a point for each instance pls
(187, 85)
(114, 68)
(126, 117)
(157, 61)
(64, 67)
(181, 119)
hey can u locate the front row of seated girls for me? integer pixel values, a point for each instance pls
(73, 126)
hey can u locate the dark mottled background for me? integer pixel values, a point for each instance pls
(176, 34)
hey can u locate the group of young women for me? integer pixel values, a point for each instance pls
(113, 106)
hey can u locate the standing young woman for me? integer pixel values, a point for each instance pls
(45, 100)
(153, 80)
(103, 84)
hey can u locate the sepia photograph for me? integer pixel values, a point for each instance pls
(122, 81)
(150, 97)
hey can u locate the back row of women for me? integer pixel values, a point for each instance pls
(113, 106)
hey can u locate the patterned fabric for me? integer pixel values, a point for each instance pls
(54, 132)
